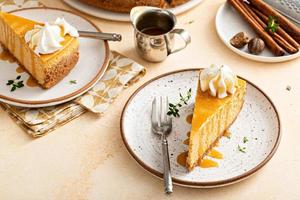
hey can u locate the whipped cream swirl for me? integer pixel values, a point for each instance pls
(219, 80)
(46, 39)
(68, 28)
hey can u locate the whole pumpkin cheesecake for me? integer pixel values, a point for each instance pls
(48, 51)
(219, 99)
(127, 5)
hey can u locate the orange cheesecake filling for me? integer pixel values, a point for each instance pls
(211, 118)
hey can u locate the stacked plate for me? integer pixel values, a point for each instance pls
(94, 56)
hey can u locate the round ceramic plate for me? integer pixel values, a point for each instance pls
(115, 16)
(92, 63)
(258, 122)
(227, 17)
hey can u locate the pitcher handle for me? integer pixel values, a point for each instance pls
(185, 36)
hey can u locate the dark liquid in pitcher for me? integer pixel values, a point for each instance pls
(155, 23)
(154, 31)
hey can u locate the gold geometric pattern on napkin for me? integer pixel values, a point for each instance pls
(38, 122)
(10, 5)
(121, 72)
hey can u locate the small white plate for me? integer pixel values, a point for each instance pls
(258, 121)
(117, 16)
(229, 22)
(92, 63)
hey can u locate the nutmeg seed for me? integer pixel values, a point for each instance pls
(256, 45)
(239, 40)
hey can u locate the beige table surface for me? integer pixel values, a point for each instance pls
(86, 158)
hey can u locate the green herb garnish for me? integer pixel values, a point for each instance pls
(15, 83)
(73, 82)
(272, 24)
(242, 149)
(190, 22)
(174, 108)
(245, 139)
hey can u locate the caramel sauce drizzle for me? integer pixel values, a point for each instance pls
(31, 82)
(215, 154)
(188, 134)
(20, 69)
(187, 141)
(227, 133)
(189, 118)
(181, 158)
(206, 162)
(7, 56)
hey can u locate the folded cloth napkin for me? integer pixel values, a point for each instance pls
(10, 5)
(121, 72)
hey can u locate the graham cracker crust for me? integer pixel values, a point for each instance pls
(61, 70)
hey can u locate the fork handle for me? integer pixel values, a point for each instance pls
(167, 171)
(101, 36)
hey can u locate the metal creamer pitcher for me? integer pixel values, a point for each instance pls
(154, 31)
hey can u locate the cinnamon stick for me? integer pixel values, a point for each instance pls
(270, 43)
(280, 30)
(281, 41)
(288, 26)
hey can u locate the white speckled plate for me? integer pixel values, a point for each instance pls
(91, 66)
(228, 17)
(258, 121)
(117, 16)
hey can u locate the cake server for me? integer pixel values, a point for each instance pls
(101, 36)
(162, 125)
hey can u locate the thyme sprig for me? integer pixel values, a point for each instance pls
(17, 83)
(272, 24)
(174, 108)
(190, 22)
(242, 149)
(73, 82)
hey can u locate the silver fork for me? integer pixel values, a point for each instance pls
(162, 125)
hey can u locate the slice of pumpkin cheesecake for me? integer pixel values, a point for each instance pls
(219, 99)
(48, 51)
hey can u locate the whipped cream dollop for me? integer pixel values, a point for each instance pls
(46, 39)
(68, 28)
(219, 80)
